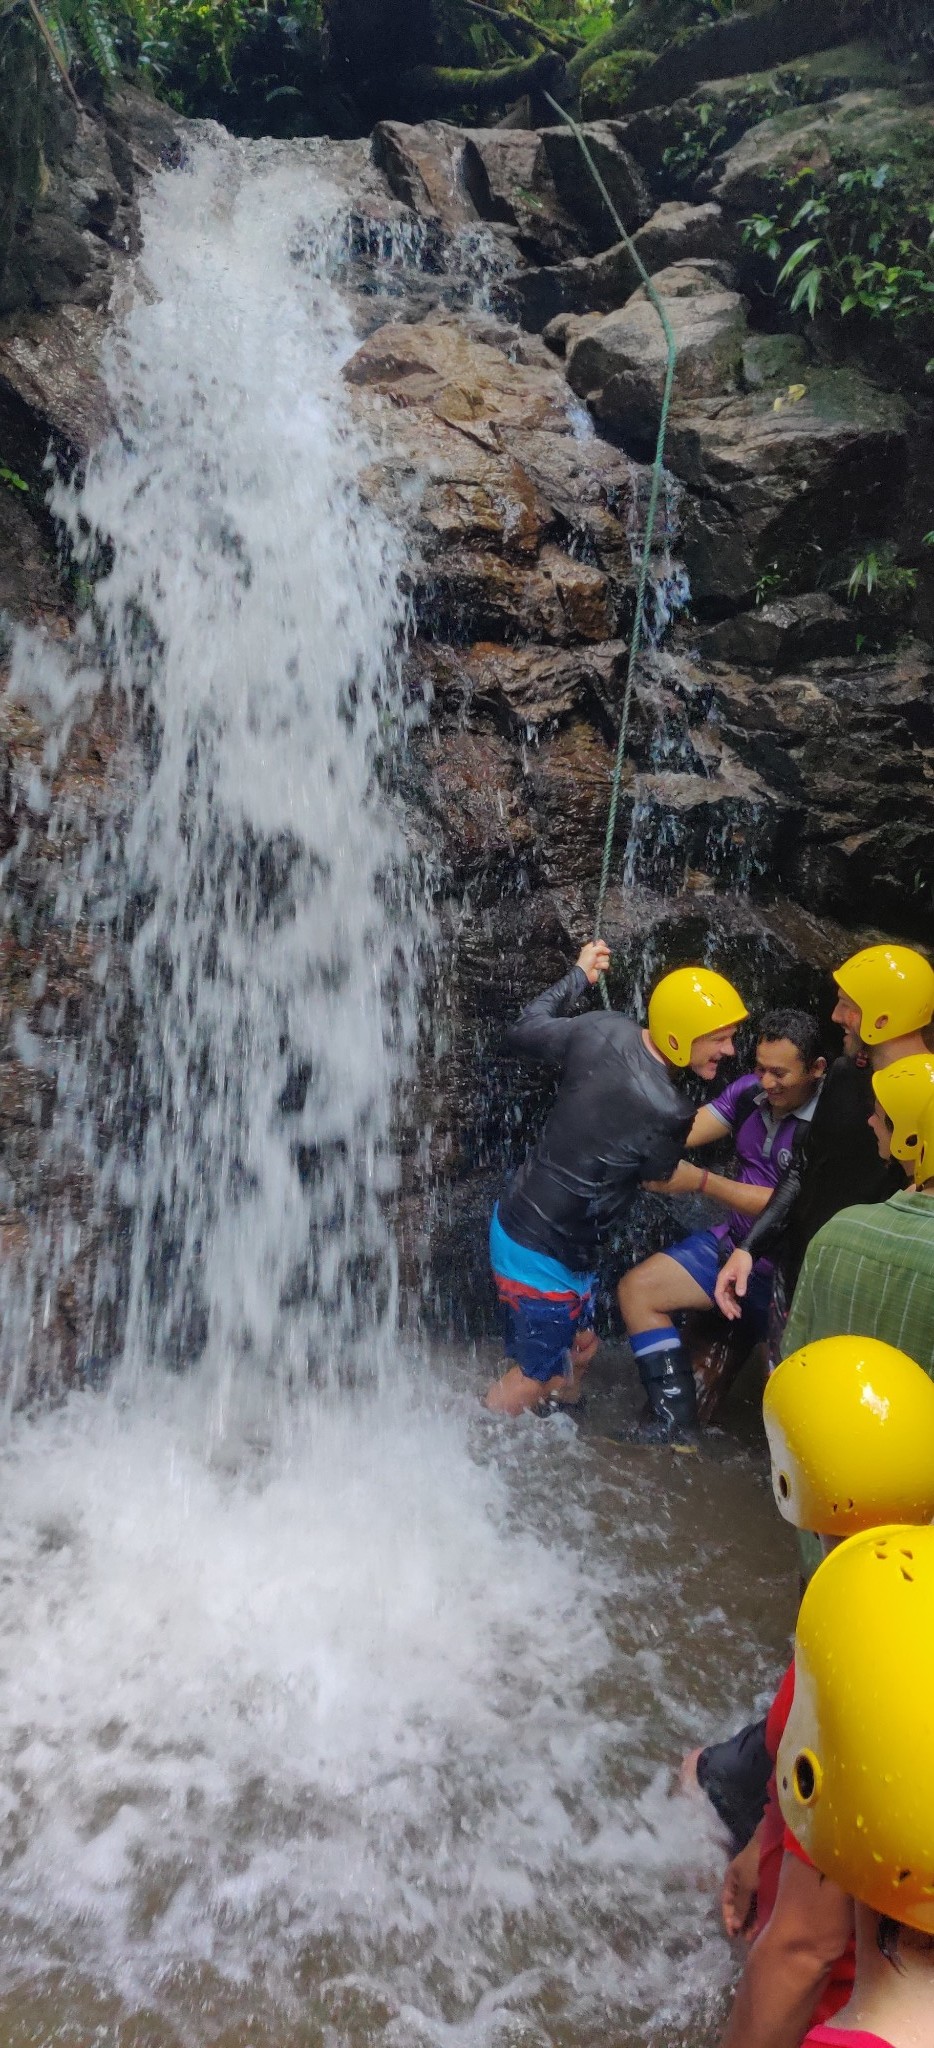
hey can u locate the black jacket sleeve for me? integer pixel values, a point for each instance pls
(735, 1776)
(766, 1234)
(543, 1029)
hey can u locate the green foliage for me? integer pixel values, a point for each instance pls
(882, 578)
(859, 240)
(606, 86)
(10, 480)
(715, 124)
(768, 584)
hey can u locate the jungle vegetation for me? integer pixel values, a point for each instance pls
(298, 67)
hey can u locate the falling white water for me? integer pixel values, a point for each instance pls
(322, 1706)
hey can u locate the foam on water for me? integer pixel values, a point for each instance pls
(308, 1678)
(261, 1707)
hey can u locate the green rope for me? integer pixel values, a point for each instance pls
(646, 557)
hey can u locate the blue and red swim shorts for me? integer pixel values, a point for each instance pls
(543, 1305)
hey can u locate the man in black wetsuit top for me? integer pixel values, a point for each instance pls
(885, 999)
(618, 1120)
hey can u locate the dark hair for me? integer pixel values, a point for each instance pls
(887, 1934)
(887, 1938)
(802, 1031)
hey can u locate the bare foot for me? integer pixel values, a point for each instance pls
(517, 1394)
(687, 1775)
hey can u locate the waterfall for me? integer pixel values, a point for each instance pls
(327, 1710)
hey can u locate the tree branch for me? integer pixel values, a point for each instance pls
(55, 54)
(508, 21)
(429, 89)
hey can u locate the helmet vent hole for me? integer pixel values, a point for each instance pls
(807, 1777)
(783, 1486)
(912, 1139)
(910, 1555)
(909, 1576)
(903, 1876)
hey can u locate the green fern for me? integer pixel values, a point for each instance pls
(80, 31)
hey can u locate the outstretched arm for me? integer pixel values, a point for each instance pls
(543, 1029)
(687, 1179)
(790, 1963)
(707, 1127)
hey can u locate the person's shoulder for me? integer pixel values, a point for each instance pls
(848, 1223)
(845, 1077)
(737, 1098)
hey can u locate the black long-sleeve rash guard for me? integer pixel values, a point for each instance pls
(618, 1120)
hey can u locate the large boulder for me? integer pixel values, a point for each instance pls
(578, 191)
(507, 174)
(620, 365)
(678, 233)
(534, 182)
(675, 233)
(865, 126)
(782, 491)
(585, 284)
(64, 231)
(423, 165)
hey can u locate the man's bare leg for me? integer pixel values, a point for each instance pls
(650, 1293)
(516, 1392)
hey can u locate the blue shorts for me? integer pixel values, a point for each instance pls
(543, 1306)
(700, 1256)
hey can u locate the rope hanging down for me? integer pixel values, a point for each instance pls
(646, 555)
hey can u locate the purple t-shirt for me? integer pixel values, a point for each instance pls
(763, 1143)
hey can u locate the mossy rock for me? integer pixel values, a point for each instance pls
(606, 87)
(859, 128)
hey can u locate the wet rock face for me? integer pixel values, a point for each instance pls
(781, 491)
(779, 769)
(777, 790)
(620, 365)
(519, 511)
(72, 237)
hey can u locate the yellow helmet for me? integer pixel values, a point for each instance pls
(688, 1004)
(892, 986)
(850, 1424)
(904, 1090)
(854, 1764)
(924, 1157)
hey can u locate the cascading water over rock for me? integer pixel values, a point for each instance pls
(323, 1709)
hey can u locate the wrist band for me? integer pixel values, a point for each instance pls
(705, 1176)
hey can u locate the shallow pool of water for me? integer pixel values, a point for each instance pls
(365, 1731)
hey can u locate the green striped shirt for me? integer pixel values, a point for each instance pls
(870, 1273)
